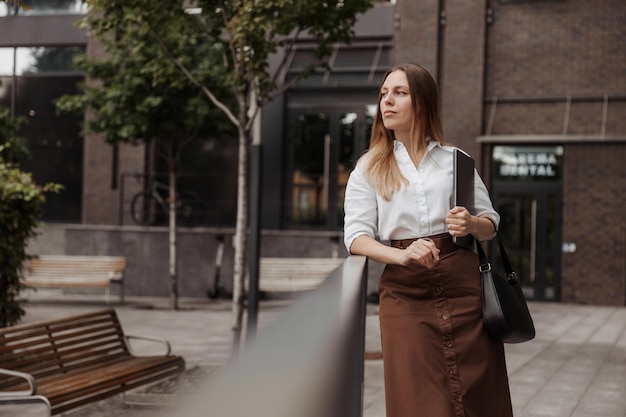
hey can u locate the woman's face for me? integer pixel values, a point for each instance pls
(396, 107)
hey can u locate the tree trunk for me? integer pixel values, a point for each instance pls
(173, 243)
(241, 239)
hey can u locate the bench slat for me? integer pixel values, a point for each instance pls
(65, 284)
(78, 359)
(38, 353)
(41, 363)
(74, 271)
(67, 399)
(17, 337)
(295, 274)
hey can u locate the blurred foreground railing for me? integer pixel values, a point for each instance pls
(307, 363)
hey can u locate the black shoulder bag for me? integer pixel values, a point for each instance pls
(505, 312)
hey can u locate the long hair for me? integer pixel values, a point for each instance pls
(380, 164)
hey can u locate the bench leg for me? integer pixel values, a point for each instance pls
(30, 405)
(108, 293)
(144, 399)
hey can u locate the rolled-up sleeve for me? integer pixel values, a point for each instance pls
(482, 203)
(361, 214)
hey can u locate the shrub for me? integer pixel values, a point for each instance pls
(20, 211)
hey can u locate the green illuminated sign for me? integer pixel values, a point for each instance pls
(528, 163)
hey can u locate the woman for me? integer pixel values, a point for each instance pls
(438, 359)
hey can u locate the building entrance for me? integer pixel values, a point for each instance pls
(322, 146)
(527, 194)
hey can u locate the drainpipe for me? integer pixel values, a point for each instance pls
(440, 40)
(485, 156)
(488, 22)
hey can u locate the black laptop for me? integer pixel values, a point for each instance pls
(463, 191)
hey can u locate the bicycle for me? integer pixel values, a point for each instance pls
(148, 207)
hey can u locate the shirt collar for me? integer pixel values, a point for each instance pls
(431, 144)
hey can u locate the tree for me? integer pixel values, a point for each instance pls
(229, 43)
(20, 210)
(14, 149)
(249, 32)
(134, 94)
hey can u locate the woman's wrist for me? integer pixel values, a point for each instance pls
(484, 228)
(398, 257)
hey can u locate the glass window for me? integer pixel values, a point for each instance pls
(362, 64)
(354, 57)
(528, 1)
(6, 84)
(302, 58)
(516, 217)
(310, 174)
(6, 60)
(323, 146)
(54, 141)
(47, 7)
(208, 171)
(46, 59)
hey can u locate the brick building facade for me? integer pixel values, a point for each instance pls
(534, 90)
(532, 75)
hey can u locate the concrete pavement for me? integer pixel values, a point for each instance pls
(575, 367)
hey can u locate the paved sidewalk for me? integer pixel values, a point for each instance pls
(575, 367)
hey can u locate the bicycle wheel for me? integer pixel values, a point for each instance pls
(190, 210)
(143, 209)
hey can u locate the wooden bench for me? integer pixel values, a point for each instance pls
(77, 360)
(294, 274)
(75, 271)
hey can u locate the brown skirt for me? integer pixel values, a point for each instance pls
(438, 359)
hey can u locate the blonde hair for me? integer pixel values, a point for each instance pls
(380, 164)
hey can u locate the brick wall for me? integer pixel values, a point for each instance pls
(100, 196)
(463, 56)
(460, 54)
(417, 31)
(539, 53)
(594, 217)
(557, 49)
(100, 193)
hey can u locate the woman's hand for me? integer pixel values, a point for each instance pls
(460, 222)
(422, 251)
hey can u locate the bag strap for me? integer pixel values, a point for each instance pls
(485, 266)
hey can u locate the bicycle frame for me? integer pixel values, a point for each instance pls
(154, 190)
(189, 208)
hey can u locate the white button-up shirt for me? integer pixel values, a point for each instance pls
(418, 209)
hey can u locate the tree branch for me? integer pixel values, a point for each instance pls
(287, 47)
(295, 80)
(192, 78)
(231, 46)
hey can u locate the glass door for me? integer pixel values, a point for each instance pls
(531, 235)
(527, 194)
(322, 147)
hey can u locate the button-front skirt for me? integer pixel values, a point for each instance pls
(438, 359)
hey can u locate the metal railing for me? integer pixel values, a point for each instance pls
(307, 363)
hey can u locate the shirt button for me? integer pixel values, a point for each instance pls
(449, 344)
(445, 317)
